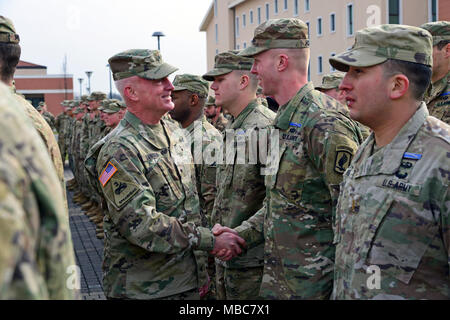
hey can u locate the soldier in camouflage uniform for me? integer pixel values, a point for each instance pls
(62, 123)
(112, 111)
(189, 96)
(317, 141)
(214, 114)
(393, 222)
(154, 243)
(36, 247)
(437, 96)
(48, 116)
(240, 187)
(10, 43)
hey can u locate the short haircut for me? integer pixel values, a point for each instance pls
(442, 44)
(419, 75)
(9, 58)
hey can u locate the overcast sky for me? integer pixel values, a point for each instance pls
(91, 31)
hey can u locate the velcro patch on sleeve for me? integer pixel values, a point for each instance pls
(123, 191)
(107, 173)
(343, 159)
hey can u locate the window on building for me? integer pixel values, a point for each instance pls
(307, 24)
(319, 26)
(432, 7)
(215, 8)
(350, 19)
(267, 11)
(285, 4)
(259, 15)
(217, 51)
(394, 11)
(319, 65)
(275, 6)
(244, 20)
(307, 6)
(237, 26)
(251, 16)
(237, 47)
(332, 22)
(217, 33)
(245, 45)
(295, 7)
(331, 67)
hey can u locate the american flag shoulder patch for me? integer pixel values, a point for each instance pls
(107, 173)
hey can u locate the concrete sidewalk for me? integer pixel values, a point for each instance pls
(88, 249)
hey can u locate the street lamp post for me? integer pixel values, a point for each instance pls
(110, 85)
(81, 87)
(89, 73)
(158, 34)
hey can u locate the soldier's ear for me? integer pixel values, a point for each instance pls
(193, 100)
(130, 93)
(282, 62)
(244, 81)
(398, 86)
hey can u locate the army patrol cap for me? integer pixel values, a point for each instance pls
(144, 63)
(440, 30)
(331, 81)
(78, 110)
(227, 62)
(376, 45)
(39, 107)
(191, 83)
(7, 31)
(96, 95)
(211, 101)
(42, 103)
(286, 33)
(112, 107)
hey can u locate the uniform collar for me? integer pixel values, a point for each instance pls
(153, 134)
(437, 88)
(237, 123)
(389, 158)
(190, 128)
(285, 112)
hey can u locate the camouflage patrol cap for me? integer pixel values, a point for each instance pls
(144, 63)
(226, 62)
(376, 45)
(65, 103)
(84, 98)
(42, 103)
(39, 107)
(7, 31)
(78, 110)
(96, 95)
(287, 33)
(191, 83)
(113, 107)
(74, 103)
(440, 30)
(211, 101)
(331, 81)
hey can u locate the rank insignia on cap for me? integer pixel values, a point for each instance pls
(107, 173)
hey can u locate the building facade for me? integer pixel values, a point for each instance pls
(230, 24)
(36, 85)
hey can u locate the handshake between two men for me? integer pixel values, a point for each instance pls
(227, 243)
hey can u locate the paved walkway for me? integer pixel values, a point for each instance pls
(88, 249)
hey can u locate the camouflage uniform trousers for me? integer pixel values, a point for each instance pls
(227, 280)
